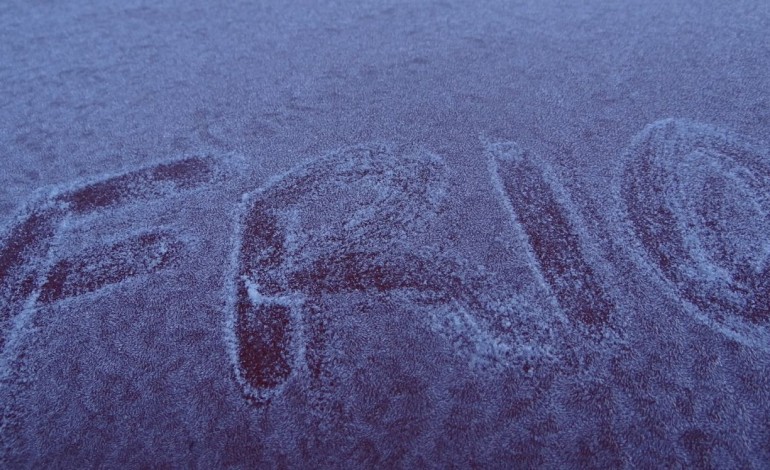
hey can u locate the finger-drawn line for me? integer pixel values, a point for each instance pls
(696, 204)
(342, 223)
(550, 226)
(105, 265)
(26, 244)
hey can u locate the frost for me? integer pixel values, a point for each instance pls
(698, 201)
(549, 224)
(292, 246)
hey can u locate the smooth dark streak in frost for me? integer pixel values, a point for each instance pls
(538, 208)
(262, 329)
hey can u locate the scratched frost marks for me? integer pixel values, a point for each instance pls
(698, 200)
(144, 184)
(110, 264)
(355, 197)
(35, 265)
(23, 246)
(542, 212)
(345, 223)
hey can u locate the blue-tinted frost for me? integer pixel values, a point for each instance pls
(697, 199)
(40, 263)
(352, 222)
(413, 333)
(558, 245)
(348, 320)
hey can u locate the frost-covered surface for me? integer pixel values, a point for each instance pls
(385, 234)
(354, 223)
(554, 236)
(698, 199)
